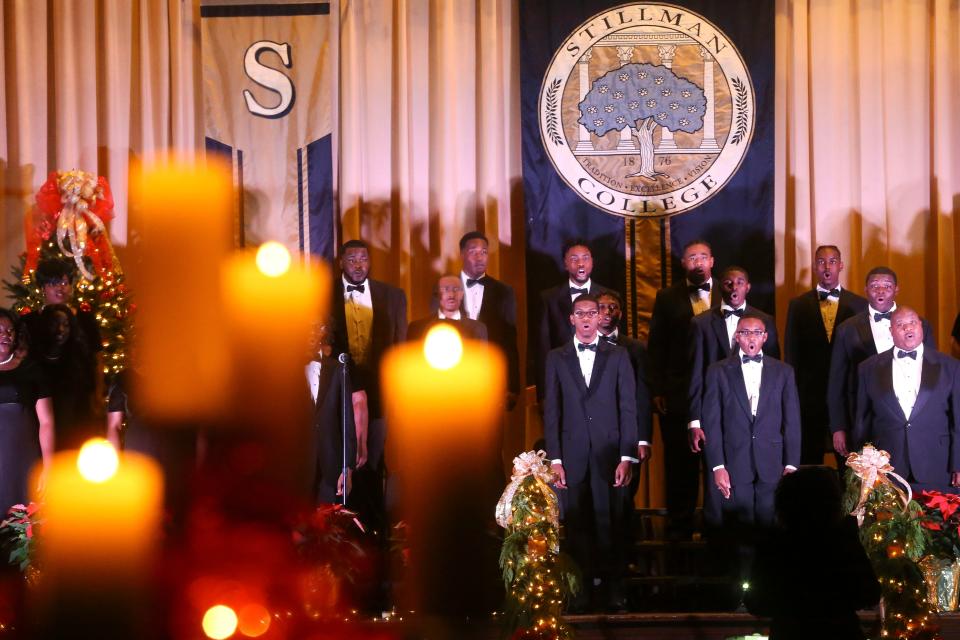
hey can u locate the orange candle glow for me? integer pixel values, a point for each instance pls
(270, 304)
(102, 517)
(184, 212)
(444, 403)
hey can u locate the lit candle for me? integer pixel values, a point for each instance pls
(184, 214)
(270, 304)
(443, 400)
(99, 539)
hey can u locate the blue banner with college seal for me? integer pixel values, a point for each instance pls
(646, 125)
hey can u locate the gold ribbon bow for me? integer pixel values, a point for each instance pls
(78, 192)
(527, 464)
(872, 466)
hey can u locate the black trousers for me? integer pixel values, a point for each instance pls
(682, 471)
(594, 518)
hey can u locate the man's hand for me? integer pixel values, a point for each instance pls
(722, 479)
(696, 438)
(660, 404)
(361, 452)
(621, 477)
(557, 469)
(349, 483)
(643, 452)
(955, 479)
(840, 443)
(788, 470)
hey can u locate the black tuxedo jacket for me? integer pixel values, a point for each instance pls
(389, 328)
(555, 328)
(807, 349)
(751, 447)
(668, 343)
(709, 344)
(327, 433)
(640, 362)
(467, 328)
(498, 312)
(590, 427)
(852, 344)
(924, 444)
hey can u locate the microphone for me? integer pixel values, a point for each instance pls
(344, 358)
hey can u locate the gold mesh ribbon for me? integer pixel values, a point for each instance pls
(527, 464)
(78, 191)
(873, 467)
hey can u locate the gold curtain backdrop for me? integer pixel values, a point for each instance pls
(868, 149)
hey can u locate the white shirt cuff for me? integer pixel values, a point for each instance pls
(790, 466)
(643, 443)
(694, 424)
(719, 466)
(557, 461)
(628, 458)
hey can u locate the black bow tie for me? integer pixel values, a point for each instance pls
(833, 293)
(576, 292)
(694, 288)
(877, 317)
(756, 358)
(732, 312)
(584, 347)
(907, 354)
(610, 339)
(475, 281)
(355, 287)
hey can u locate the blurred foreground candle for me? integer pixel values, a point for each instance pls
(271, 303)
(184, 213)
(103, 519)
(444, 406)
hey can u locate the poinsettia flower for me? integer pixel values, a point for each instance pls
(32, 508)
(929, 524)
(29, 531)
(17, 507)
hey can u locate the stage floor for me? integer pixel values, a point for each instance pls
(706, 626)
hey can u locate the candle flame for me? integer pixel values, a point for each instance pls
(443, 347)
(254, 620)
(97, 460)
(219, 622)
(273, 259)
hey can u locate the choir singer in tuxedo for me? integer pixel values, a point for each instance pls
(674, 308)
(370, 316)
(907, 403)
(556, 304)
(856, 339)
(493, 303)
(449, 292)
(751, 421)
(811, 319)
(590, 426)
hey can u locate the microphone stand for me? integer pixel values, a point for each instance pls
(344, 358)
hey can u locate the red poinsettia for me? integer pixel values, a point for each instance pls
(942, 514)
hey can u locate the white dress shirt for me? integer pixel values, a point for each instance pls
(732, 320)
(574, 285)
(906, 379)
(312, 371)
(828, 310)
(752, 376)
(472, 296)
(455, 316)
(358, 309)
(700, 299)
(881, 330)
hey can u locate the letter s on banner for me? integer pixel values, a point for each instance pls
(269, 78)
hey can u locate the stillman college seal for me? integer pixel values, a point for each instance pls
(646, 110)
